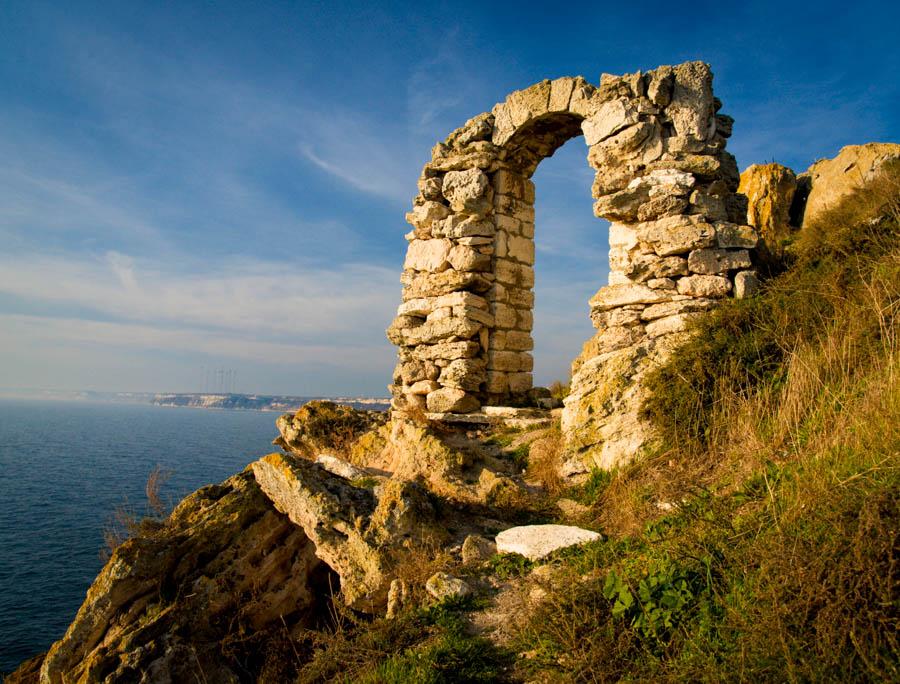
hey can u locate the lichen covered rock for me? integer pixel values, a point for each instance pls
(324, 427)
(355, 530)
(223, 565)
(830, 180)
(769, 189)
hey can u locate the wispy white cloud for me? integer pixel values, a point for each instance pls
(265, 300)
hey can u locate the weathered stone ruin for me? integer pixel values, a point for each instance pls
(359, 501)
(678, 243)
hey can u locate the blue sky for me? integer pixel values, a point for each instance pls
(189, 185)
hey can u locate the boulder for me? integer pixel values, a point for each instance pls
(830, 180)
(476, 548)
(538, 541)
(442, 586)
(353, 529)
(770, 192)
(324, 427)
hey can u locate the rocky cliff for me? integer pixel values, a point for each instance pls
(436, 543)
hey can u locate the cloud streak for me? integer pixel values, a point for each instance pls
(267, 300)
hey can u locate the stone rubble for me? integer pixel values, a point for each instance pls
(442, 586)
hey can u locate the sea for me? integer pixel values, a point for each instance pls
(64, 469)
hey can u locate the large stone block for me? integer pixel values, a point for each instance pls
(520, 297)
(519, 341)
(610, 118)
(613, 296)
(467, 374)
(504, 315)
(509, 183)
(560, 93)
(446, 351)
(462, 226)
(519, 383)
(463, 258)
(509, 361)
(473, 314)
(423, 216)
(672, 308)
(704, 286)
(692, 110)
(668, 324)
(736, 235)
(712, 261)
(521, 249)
(427, 255)
(527, 104)
(496, 382)
(451, 400)
(465, 190)
(422, 284)
(511, 273)
(432, 331)
(676, 235)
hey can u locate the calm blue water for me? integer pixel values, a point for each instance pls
(64, 467)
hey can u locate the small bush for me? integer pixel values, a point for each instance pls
(430, 645)
(126, 521)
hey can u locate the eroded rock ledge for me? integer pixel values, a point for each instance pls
(182, 599)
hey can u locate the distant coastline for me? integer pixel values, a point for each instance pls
(204, 400)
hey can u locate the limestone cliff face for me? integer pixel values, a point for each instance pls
(173, 605)
(829, 180)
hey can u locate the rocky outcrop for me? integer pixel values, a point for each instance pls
(829, 180)
(356, 531)
(175, 603)
(323, 427)
(601, 423)
(770, 190)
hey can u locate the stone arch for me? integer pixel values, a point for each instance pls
(677, 244)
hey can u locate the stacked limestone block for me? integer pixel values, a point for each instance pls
(662, 176)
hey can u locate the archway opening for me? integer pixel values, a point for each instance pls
(571, 260)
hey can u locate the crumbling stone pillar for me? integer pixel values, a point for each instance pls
(678, 243)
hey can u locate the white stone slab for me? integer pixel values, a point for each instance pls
(537, 541)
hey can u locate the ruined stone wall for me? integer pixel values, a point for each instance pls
(677, 243)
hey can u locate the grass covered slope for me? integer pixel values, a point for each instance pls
(778, 459)
(757, 542)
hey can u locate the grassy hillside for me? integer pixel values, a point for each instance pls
(759, 539)
(778, 461)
